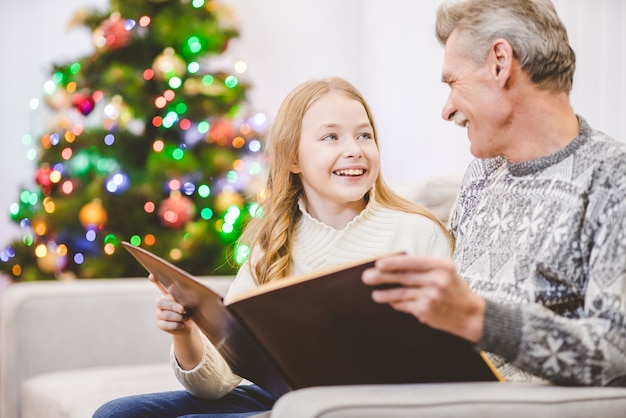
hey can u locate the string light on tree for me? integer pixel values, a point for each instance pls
(144, 139)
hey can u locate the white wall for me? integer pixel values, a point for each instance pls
(34, 36)
(387, 49)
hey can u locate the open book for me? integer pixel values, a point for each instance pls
(319, 329)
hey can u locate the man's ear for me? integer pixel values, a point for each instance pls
(501, 57)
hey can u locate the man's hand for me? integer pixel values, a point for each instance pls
(430, 290)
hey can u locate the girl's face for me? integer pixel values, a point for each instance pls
(338, 159)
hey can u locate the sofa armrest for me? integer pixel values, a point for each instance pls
(49, 326)
(475, 399)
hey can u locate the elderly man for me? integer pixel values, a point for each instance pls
(539, 273)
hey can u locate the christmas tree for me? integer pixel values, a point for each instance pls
(142, 140)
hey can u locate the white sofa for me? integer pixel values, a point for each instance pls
(68, 347)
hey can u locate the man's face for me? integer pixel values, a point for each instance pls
(473, 100)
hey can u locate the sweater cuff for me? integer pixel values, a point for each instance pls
(502, 330)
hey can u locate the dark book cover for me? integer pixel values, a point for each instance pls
(319, 329)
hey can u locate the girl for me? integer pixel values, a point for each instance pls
(327, 205)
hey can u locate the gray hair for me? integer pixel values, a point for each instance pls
(532, 27)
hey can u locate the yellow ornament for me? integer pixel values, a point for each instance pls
(168, 65)
(227, 199)
(93, 214)
(48, 263)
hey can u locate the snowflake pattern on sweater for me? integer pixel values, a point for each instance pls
(544, 242)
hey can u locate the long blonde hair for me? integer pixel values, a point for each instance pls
(272, 232)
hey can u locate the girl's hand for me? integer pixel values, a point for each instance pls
(171, 315)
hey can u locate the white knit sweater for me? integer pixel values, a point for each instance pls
(376, 230)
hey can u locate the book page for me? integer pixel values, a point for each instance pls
(291, 280)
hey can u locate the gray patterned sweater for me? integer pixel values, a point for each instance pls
(544, 242)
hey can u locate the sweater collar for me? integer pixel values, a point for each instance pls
(533, 166)
(369, 208)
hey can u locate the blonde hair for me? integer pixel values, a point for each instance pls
(272, 233)
(532, 27)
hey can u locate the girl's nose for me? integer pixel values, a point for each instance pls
(352, 149)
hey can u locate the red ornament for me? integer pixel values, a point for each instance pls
(176, 210)
(112, 33)
(83, 103)
(221, 132)
(42, 177)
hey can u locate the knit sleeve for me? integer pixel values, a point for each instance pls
(591, 348)
(211, 378)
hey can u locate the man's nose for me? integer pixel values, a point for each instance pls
(448, 111)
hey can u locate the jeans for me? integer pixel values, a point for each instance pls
(243, 401)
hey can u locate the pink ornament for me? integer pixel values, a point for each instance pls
(83, 103)
(176, 210)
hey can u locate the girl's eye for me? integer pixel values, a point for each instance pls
(330, 137)
(365, 135)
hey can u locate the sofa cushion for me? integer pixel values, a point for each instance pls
(78, 393)
(477, 399)
(437, 194)
(54, 326)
